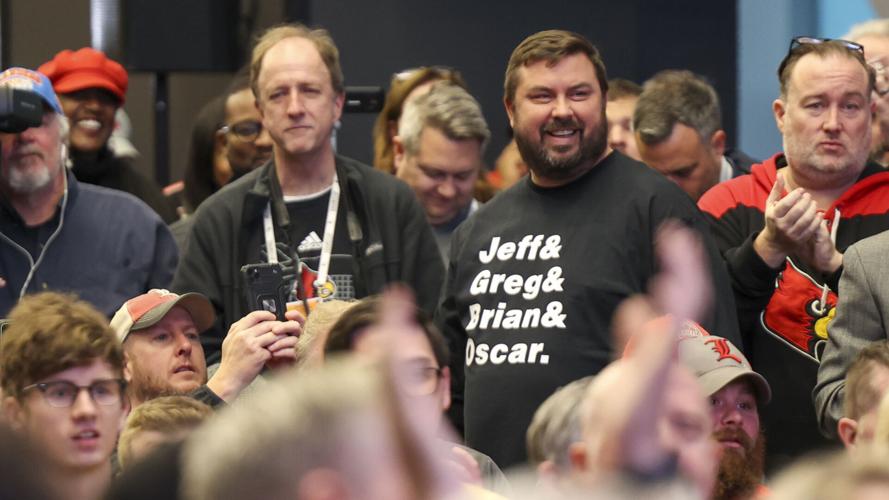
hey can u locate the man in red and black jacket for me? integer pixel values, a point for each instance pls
(783, 228)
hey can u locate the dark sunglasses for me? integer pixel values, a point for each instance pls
(799, 41)
(811, 40)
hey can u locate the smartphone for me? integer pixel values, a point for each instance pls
(267, 288)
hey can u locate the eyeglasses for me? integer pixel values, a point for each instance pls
(421, 380)
(799, 41)
(62, 394)
(247, 130)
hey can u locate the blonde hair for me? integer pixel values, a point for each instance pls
(167, 414)
(834, 476)
(311, 343)
(301, 421)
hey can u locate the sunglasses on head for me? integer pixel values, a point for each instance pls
(811, 40)
(800, 41)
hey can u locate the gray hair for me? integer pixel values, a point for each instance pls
(674, 96)
(446, 107)
(556, 425)
(874, 27)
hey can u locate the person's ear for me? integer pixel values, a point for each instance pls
(847, 429)
(127, 368)
(779, 110)
(510, 111)
(577, 455)
(717, 143)
(338, 103)
(546, 469)
(321, 484)
(399, 156)
(221, 140)
(13, 412)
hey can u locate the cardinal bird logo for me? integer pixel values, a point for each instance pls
(314, 288)
(795, 313)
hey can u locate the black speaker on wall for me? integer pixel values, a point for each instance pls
(181, 35)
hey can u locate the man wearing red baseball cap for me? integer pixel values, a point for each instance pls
(91, 88)
(160, 332)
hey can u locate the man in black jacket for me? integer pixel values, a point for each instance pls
(342, 229)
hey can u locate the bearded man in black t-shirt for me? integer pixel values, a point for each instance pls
(536, 274)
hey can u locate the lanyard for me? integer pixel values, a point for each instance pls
(326, 243)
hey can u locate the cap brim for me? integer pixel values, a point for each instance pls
(83, 81)
(197, 305)
(715, 380)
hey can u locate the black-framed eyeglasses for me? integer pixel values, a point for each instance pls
(62, 393)
(421, 380)
(247, 130)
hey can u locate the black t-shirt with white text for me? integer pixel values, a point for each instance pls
(534, 278)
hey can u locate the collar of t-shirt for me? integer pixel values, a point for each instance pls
(306, 197)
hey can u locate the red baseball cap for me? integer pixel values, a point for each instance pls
(149, 308)
(86, 68)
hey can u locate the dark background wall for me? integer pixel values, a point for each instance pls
(637, 38)
(376, 39)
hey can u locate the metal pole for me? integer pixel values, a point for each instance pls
(105, 20)
(161, 128)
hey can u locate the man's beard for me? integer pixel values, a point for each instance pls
(27, 182)
(146, 386)
(543, 165)
(740, 472)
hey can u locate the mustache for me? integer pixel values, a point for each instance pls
(735, 434)
(27, 149)
(561, 124)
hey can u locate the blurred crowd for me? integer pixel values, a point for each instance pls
(625, 305)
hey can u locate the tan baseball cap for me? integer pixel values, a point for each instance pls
(716, 362)
(149, 308)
